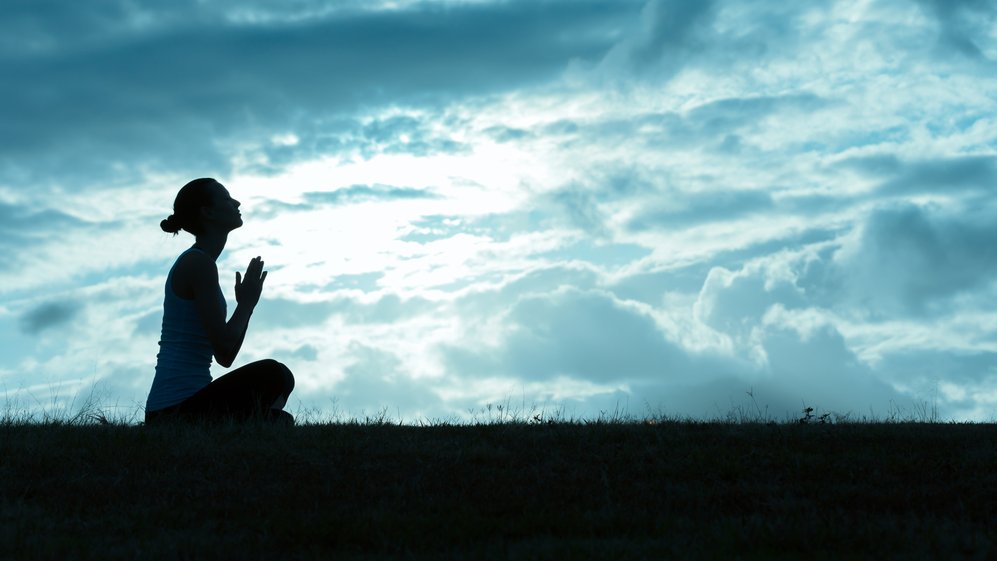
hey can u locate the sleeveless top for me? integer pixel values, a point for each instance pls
(184, 359)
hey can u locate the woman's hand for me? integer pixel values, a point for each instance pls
(247, 290)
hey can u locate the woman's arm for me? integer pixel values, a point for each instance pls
(226, 337)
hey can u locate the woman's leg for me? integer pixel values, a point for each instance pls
(257, 390)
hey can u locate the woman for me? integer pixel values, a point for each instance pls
(194, 326)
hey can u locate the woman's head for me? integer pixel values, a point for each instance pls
(200, 203)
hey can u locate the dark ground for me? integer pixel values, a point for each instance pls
(501, 491)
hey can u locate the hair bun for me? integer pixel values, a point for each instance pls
(170, 225)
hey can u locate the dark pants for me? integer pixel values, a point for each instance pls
(257, 390)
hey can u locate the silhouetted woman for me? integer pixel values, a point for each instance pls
(194, 326)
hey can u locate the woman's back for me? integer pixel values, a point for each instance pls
(184, 359)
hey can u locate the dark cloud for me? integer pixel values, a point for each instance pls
(912, 260)
(963, 24)
(506, 134)
(667, 35)
(948, 175)
(877, 165)
(306, 352)
(900, 262)
(359, 193)
(22, 226)
(673, 35)
(49, 315)
(187, 94)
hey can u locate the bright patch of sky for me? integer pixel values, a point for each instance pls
(579, 205)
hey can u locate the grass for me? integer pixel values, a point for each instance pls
(504, 486)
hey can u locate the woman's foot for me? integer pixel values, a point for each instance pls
(280, 417)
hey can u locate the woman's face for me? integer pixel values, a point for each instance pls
(225, 210)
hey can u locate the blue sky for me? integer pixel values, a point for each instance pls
(584, 206)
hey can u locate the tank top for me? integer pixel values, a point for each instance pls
(184, 360)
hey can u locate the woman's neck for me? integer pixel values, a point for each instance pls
(212, 243)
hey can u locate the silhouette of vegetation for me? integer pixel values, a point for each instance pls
(507, 484)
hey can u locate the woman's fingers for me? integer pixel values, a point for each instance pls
(255, 268)
(254, 273)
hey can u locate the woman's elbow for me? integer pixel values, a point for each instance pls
(224, 360)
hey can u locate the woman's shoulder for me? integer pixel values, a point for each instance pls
(196, 259)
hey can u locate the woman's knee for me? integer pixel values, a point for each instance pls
(282, 373)
(287, 377)
(277, 374)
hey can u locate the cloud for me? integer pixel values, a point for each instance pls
(352, 194)
(356, 193)
(149, 324)
(728, 115)
(910, 259)
(376, 379)
(925, 368)
(494, 302)
(815, 371)
(416, 133)
(690, 209)
(735, 302)
(947, 175)
(809, 361)
(22, 226)
(278, 313)
(589, 336)
(284, 313)
(666, 36)
(748, 338)
(963, 24)
(191, 93)
(900, 261)
(306, 352)
(49, 315)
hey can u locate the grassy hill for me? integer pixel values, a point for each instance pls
(563, 490)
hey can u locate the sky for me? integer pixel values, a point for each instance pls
(576, 207)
